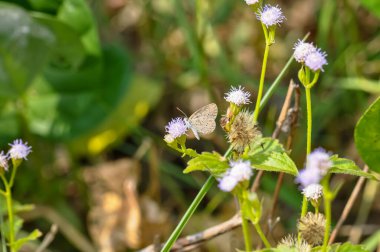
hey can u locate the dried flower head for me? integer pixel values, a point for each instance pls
(250, 2)
(312, 228)
(227, 183)
(4, 161)
(271, 15)
(243, 131)
(308, 176)
(241, 170)
(316, 60)
(302, 50)
(319, 159)
(313, 191)
(176, 127)
(237, 96)
(291, 242)
(19, 150)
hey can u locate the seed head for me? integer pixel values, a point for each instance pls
(316, 60)
(291, 242)
(4, 161)
(312, 228)
(176, 127)
(237, 96)
(302, 50)
(319, 159)
(313, 191)
(271, 15)
(243, 131)
(19, 150)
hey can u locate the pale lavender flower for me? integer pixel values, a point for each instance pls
(176, 127)
(251, 2)
(271, 15)
(237, 96)
(308, 176)
(313, 191)
(319, 159)
(316, 60)
(4, 161)
(19, 150)
(302, 50)
(227, 183)
(241, 170)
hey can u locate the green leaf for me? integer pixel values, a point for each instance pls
(348, 247)
(31, 237)
(274, 161)
(372, 242)
(372, 5)
(265, 145)
(367, 136)
(17, 225)
(207, 161)
(347, 166)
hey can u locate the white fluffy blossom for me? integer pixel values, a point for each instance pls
(227, 183)
(319, 159)
(241, 170)
(4, 161)
(316, 60)
(308, 177)
(251, 2)
(271, 15)
(302, 50)
(313, 191)
(237, 96)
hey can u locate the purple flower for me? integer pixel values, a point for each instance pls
(270, 15)
(302, 50)
(313, 191)
(176, 127)
(237, 96)
(316, 60)
(4, 161)
(308, 176)
(19, 150)
(319, 159)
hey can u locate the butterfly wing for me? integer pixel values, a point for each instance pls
(203, 120)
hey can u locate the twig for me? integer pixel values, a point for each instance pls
(348, 206)
(194, 240)
(49, 237)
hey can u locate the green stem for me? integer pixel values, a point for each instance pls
(8, 197)
(303, 213)
(327, 197)
(244, 223)
(261, 86)
(262, 236)
(13, 175)
(190, 211)
(309, 120)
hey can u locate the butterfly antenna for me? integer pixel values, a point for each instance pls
(181, 112)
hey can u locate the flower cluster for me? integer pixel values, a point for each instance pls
(240, 170)
(175, 128)
(313, 57)
(18, 150)
(237, 96)
(317, 164)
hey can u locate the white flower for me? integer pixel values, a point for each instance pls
(4, 161)
(308, 176)
(176, 127)
(316, 60)
(313, 191)
(237, 96)
(270, 15)
(302, 50)
(19, 150)
(250, 2)
(319, 159)
(227, 183)
(241, 170)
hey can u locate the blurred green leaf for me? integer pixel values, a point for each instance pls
(367, 136)
(362, 84)
(348, 247)
(24, 49)
(45, 5)
(347, 166)
(372, 242)
(17, 225)
(372, 6)
(31, 237)
(207, 161)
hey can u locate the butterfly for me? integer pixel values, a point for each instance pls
(202, 121)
